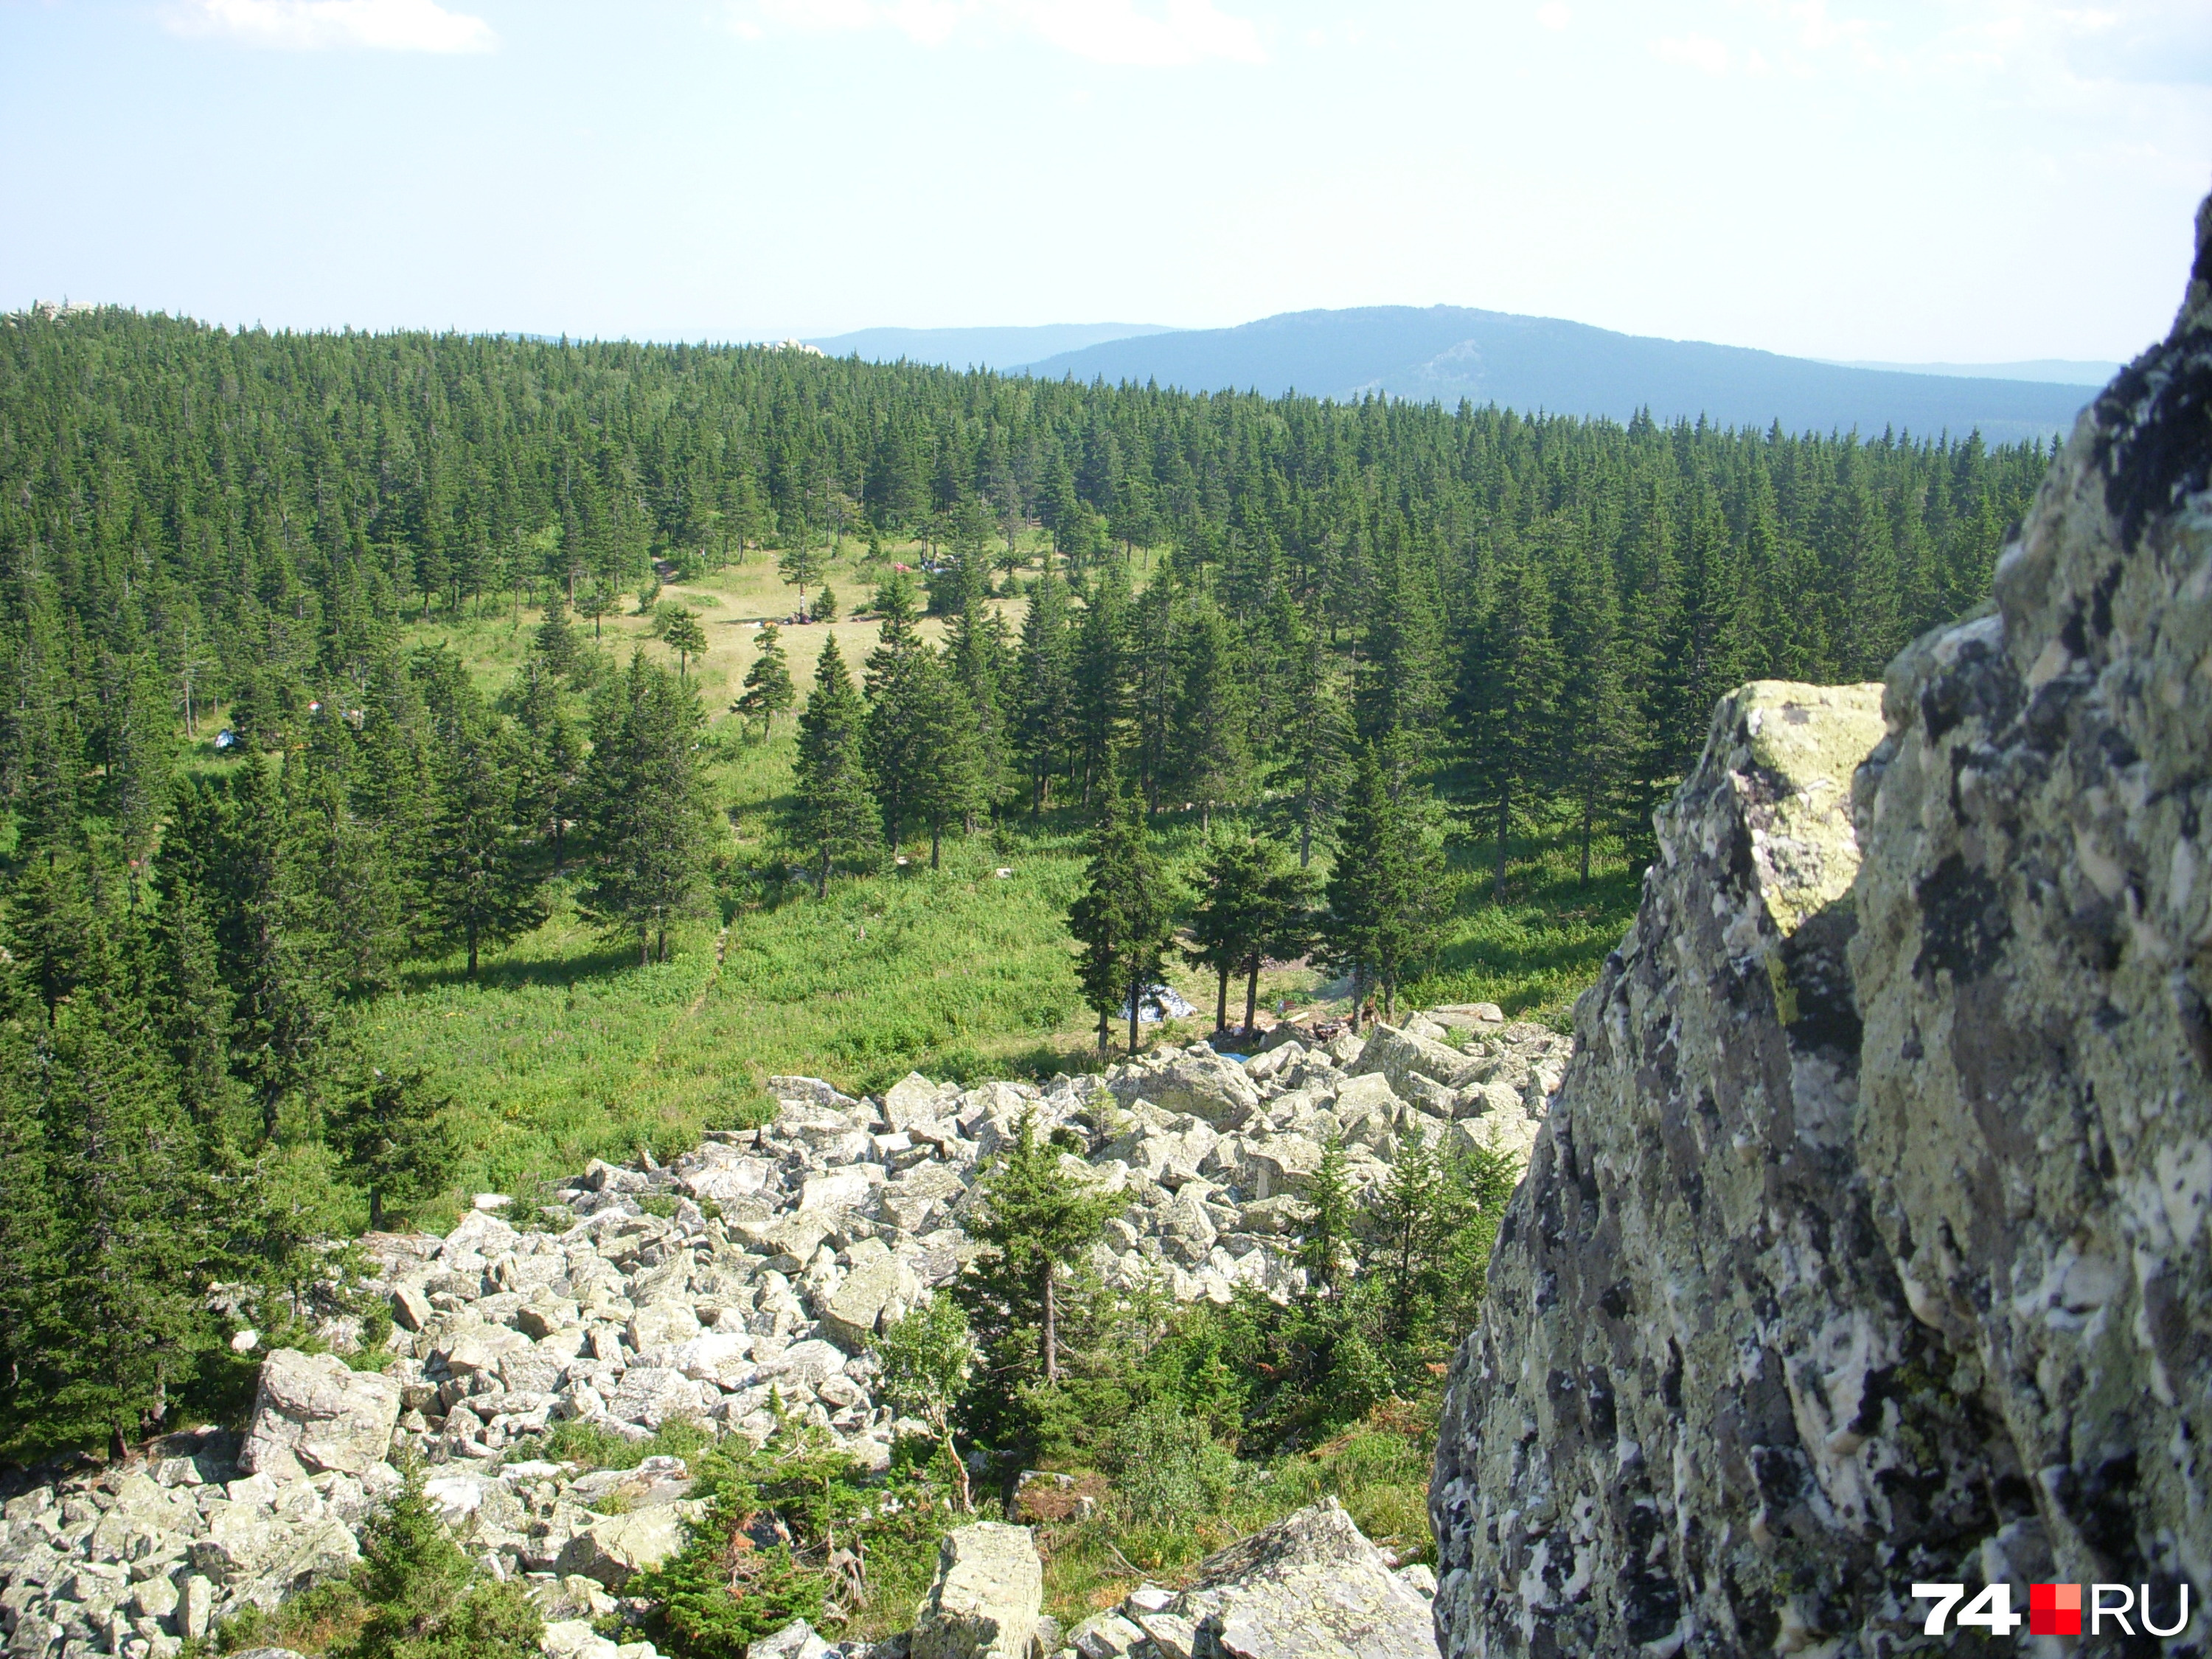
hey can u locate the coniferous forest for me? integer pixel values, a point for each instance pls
(1342, 638)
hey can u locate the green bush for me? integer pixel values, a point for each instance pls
(1167, 1465)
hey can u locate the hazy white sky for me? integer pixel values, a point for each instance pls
(1953, 179)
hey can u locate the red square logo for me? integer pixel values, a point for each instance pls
(2054, 1609)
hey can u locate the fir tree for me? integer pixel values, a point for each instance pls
(896, 741)
(678, 629)
(393, 1136)
(1385, 893)
(1511, 683)
(768, 689)
(479, 879)
(1125, 917)
(647, 809)
(832, 816)
(1044, 724)
(1036, 1220)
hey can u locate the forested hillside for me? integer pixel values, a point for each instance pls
(1377, 641)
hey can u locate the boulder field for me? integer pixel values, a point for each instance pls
(742, 1278)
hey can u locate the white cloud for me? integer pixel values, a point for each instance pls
(311, 25)
(1552, 15)
(1172, 35)
(1697, 51)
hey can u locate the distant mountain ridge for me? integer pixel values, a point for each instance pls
(1447, 353)
(978, 348)
(2062, 371)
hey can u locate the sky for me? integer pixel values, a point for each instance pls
(1963, 181)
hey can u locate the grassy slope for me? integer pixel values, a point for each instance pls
(565, 1050)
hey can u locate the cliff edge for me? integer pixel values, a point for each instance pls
(1865, 1244)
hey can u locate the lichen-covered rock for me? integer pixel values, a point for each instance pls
(1309, 1587)
(311, 1413)
(1865, 1244)
(2034, 965)
(1698, 1411)
(985, 1602)
(614, 1547)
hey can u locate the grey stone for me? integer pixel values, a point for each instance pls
(652, 1395)
(311, 1413)
(2034, 964)
(661, 1325)
(1400, 1056)
(796, 1640)
(851, 1316)
(612, 1547)
(1922, 1139)
(1199, 1082)
(988, 1591)
(1700, 1156)
(1309, 1587)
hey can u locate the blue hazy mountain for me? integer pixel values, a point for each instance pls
(2065, 371)
(978, 348)
(1529, 364)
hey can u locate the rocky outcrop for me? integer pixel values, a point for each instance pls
(1863, 1243)
(2034, 965)
(988, 1592)
(1691, 1316)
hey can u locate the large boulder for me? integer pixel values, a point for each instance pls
(2034, 967)
(615, 1547)
(1402, 1058)
(311, 1415)
(1865, 1244)
(1197, 1081)
(985, 1602)
(1689, 1312)
(854, 1310)
(1309, 1587)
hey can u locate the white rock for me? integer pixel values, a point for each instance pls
(311, 1413)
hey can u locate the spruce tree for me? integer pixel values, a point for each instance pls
(768, 689)
(1591, 706)
(1036, 1220)
(393, 1136)
(647, 807)
(1102, 678)
(678, 628)
(555, 641)
(131, 1236)
(480, 881)
(832, 815)
(948, 750)
(1509, 692)
(1225, 923)
(1044, 719)
(1386, 892)
(896, 741)
(1125, 917)
(1210, 759)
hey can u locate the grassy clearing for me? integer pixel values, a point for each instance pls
(565, 1050)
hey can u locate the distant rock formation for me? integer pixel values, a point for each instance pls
(1865, 1242)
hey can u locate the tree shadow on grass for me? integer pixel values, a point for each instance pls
(496, 974)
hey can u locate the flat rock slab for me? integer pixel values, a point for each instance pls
(984, 1605)
(1309, 1587)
